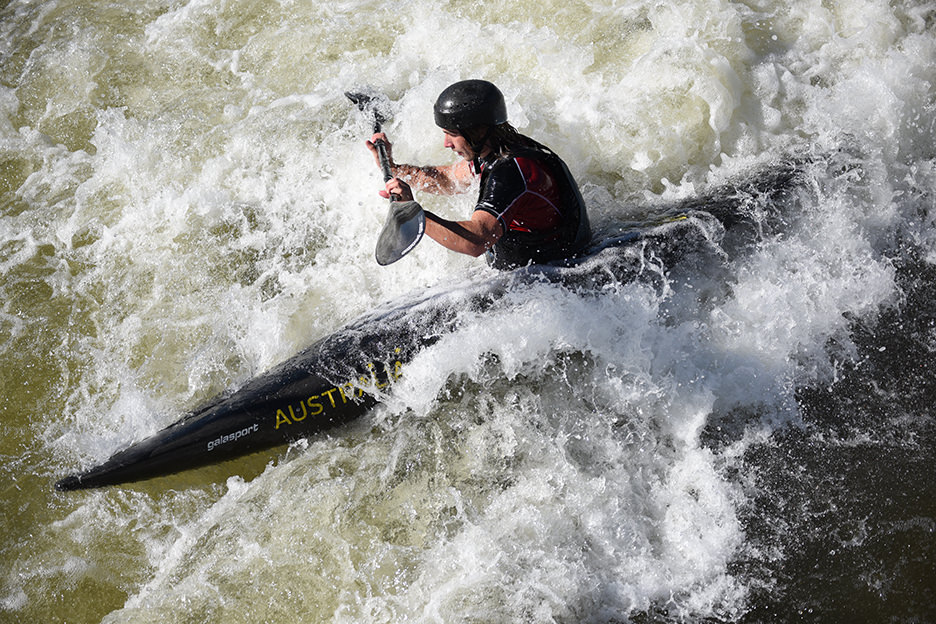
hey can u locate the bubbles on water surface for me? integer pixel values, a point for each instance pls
(186, 201)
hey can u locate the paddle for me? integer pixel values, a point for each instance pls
(405, 222)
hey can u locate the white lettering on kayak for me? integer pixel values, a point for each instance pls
(230, 437)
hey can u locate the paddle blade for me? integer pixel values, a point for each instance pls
(374, 105)
(403, 229)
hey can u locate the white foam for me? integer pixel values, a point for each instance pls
(544, 461)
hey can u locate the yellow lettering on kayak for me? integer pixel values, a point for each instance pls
(317, 408)
(319, 403)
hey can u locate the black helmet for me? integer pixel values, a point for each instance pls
(469, 104)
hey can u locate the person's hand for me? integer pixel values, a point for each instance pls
(372, 146)
(396, 186)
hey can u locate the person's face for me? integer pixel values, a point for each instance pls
(458, 144)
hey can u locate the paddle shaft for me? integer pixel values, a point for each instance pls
(384, 159)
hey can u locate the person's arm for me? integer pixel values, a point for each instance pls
(472, 237)
(441, 180)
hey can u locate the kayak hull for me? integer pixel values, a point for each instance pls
(332, 382)
(342, 376)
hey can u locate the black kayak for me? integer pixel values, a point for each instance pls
(331, 382)
(342, 376)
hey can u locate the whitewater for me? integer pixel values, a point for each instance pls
(743, 432)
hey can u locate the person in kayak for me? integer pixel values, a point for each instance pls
(529, 207)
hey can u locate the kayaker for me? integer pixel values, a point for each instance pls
(529, 208)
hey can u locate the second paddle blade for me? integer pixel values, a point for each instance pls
(403, 229)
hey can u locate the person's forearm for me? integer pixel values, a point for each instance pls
(429, 179)
(456, 236)
(446, 180)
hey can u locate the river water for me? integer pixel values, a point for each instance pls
(187, 201)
